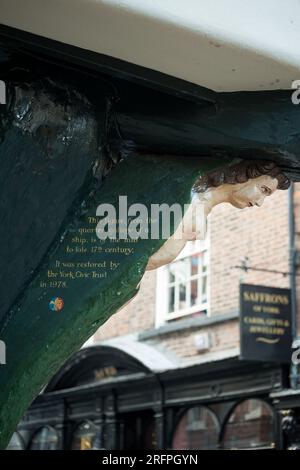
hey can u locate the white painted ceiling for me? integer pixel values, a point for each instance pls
(224, 45)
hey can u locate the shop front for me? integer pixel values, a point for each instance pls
(103, 398)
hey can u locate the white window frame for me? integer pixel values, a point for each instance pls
(162, 285)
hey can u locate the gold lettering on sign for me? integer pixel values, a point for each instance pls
(267, 340)
(105, 372)
(265, 322)
(265, 298)
(268, 326)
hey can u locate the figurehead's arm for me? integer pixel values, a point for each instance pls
(185, 232)
(166, 254)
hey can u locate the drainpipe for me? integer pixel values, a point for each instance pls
(293, 285)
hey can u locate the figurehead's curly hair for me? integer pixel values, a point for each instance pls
(240, 173)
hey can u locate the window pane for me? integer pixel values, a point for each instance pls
(45, 439)
(205, 261)
(251, 424)
(171, 299)
(182, 296)
(181, 270)
(16, 442)
(84, 436)
(194, 292)
(204, 289)
(198, 429)
(172, 271)
(194, 264)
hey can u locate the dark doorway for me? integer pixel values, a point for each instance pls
(138, 431)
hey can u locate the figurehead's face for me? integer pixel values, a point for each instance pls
(253, 192)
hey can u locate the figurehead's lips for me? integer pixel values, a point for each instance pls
(230, 46)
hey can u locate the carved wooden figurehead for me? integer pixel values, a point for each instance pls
(243, 184)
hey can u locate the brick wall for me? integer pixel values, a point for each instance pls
(138, 315)
(223, 336)
(261, 234)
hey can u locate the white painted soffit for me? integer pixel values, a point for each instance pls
(224, 45)
(150, 356)
(159, 359)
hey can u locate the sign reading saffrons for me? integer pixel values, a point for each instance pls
(265, 323)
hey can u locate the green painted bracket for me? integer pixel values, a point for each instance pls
(40, 340)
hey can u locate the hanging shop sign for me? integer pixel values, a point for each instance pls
(265, 323)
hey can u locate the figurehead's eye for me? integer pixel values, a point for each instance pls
(266, 190)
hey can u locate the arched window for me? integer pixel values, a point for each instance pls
(250, 425)
(16, 442)
(197, 429)
(45, 438)
(84, 436)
